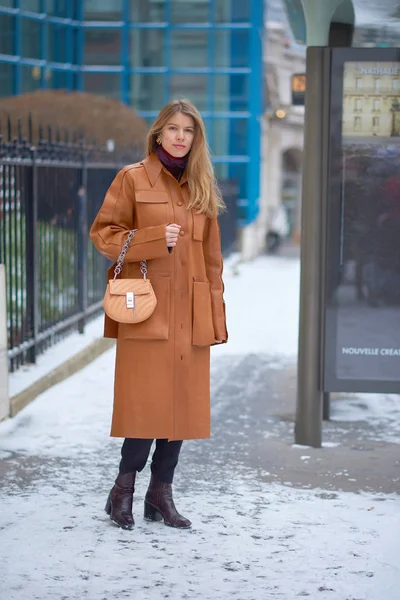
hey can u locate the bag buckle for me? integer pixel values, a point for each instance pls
(130, 300)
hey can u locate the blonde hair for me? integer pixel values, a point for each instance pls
(205, 195)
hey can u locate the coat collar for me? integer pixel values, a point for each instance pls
(153, 167)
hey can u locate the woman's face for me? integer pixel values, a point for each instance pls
(177, 135)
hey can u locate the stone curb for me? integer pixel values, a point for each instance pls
(63, 371)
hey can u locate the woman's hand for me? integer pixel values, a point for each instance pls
(171, 234)
(219, 341)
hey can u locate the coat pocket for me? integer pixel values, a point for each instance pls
(203, 328)
(157, 326)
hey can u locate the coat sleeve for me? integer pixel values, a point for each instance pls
(213, 260)
(116, 218)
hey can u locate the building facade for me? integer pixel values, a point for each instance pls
(371, 100)
(145, 53)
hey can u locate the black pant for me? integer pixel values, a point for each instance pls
(135, 453)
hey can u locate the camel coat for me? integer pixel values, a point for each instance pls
(162, 370)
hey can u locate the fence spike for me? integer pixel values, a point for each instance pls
(9, 128)
(19, 129)
(30, 129)
(40, 132)
(58, 134)
(49, 132)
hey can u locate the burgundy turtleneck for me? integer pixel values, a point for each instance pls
(175, 165)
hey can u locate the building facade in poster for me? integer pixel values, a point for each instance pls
(371, 100)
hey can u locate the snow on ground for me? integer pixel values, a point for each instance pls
(251, 540)
(54, 357)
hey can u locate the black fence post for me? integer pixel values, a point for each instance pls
(82, 248)
(32, 258)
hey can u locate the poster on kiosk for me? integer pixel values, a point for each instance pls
(362, 291)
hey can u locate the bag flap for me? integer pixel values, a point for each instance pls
(120, 287)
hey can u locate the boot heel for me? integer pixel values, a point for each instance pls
(107, 507)
(151, 513)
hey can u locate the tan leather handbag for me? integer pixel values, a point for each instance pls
(129, 300)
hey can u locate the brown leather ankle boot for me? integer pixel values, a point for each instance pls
(120, 499)
(159, 505)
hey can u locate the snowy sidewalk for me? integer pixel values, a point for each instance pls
(271, 520)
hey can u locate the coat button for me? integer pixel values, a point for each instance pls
(181, 232)
(179, 203)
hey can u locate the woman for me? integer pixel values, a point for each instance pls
(162, 370)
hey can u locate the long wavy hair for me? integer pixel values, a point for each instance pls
(205, 195)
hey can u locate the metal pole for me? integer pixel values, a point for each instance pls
(308, 428)
(82, 248)
(326, 410)
(4, 397)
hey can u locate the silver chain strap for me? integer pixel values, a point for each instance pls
(121, 257)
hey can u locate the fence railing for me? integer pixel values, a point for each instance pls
(50, 194)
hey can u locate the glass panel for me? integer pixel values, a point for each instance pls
(8, 3)
(230, 137)
(230, 11)
(231, 48)
(104, 84)
(146, 47)
(30, 38)
(30, 79)
(7, 34)
(32, 5)
(189, 11)
(58, 80)
(57, 43)
(188, 49)
(6, 79)
(103, 10)
(193, 87)
(57, 8)
(231, 93)
(146, 91)
(147, 11)
(102, 47)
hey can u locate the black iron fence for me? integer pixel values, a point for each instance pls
(50, 194)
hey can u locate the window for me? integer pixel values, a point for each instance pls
(190, 11)
(102, 47)
(376, 105)
(359, 83)
(104, 84)
(231, 92)
(103, 10)
(228, 11)
(231, 48)
(58, 80)
(57, 43)
(30, 79)
(31, 5)
(6, 79)
(146, 91)
(147, 11)
(395, 85)
(357, 104)
(188, 49)
(230, 137)
(377, 84)
(7, 27)
(146, 47)
(357, 123)
(375, 123)
(30, 31)
(57, 8)
(191, 86)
